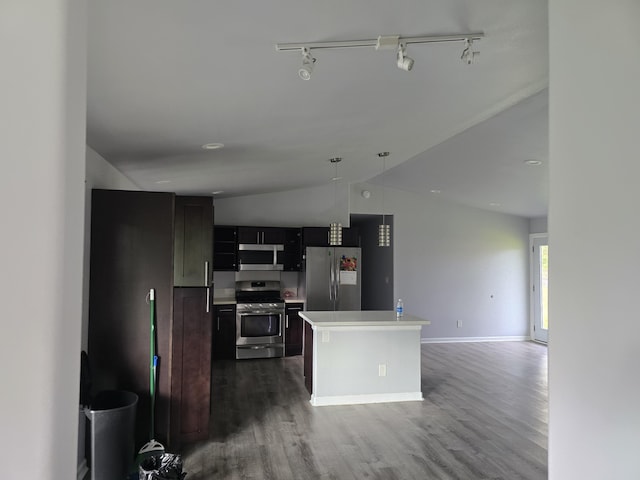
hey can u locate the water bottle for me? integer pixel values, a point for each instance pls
(399, 308)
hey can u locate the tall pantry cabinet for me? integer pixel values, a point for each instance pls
(139, 240)
(192, 319)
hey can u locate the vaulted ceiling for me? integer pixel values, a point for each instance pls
(167, 77)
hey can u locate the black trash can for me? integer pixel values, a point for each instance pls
(112, 418)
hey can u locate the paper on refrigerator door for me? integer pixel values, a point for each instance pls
(348, 270)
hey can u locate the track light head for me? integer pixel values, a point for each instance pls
(404, 63)
(468, 55)
(304, 72)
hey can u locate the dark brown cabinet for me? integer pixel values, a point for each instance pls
(193, 246)
(261, 235)
(225, 248)
(293, 332)
(319, 237)
(131, 253)
(191, 372)
(292, 249)
(224, 332)
(135, 238)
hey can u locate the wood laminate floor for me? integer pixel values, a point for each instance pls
(484, 416)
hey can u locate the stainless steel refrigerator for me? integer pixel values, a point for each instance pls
(332, 278)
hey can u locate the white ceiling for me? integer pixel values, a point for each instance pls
(166, 77)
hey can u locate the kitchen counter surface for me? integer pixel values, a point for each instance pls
(370, 318)
(362, 357)
(294, 300)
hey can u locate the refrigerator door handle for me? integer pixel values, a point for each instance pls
(337, 269)
(331, 281)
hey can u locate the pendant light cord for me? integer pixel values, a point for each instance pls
(384, 159)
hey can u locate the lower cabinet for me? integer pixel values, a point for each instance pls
(191, 368)
(224, 332)
(293, 329)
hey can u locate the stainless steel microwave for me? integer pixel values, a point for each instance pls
(260, 256)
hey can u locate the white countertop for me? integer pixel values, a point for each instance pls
(293, 300)
(360, 319)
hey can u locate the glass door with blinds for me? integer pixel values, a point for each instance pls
(540, 287)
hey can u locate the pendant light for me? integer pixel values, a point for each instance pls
(384, 233)
(335, 229)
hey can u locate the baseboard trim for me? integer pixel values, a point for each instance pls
(368, 398)
(522, 338)
(83, 469)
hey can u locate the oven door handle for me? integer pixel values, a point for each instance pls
(262, 312)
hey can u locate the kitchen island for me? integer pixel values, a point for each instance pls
(353, 357)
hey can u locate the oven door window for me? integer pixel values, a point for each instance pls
(260, 325)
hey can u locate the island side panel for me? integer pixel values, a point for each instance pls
(356, 365)
(308, 357)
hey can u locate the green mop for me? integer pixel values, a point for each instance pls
(152, 447)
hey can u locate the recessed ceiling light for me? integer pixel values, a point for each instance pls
(160, 182)
(217, 192)
(212, 146)
(533, 163)
(435, 190)
(335, 179)
(494, 204)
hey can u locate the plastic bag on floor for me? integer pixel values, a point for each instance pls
(162, 467)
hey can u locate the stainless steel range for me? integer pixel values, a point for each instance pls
(259, 320)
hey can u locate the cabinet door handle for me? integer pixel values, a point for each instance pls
(257, 237)
(294, 308)
(226, 310)
(208, 300)
(287, 323)
(206, 273)
(218, 323)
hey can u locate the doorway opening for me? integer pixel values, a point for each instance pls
(377, 263)
(539, 287)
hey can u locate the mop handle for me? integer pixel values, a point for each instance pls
(152, 353)
(153, 359)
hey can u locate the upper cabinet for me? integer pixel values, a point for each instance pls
(292, 249)
(193, 244)
(225, 248)
(261, 235)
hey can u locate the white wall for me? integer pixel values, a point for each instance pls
(309, 207)
(455, 263)
(538, 225)
(99, 174)
(42, 123)
(449, 260)
(594, 382)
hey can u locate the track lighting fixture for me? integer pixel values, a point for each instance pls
(307, 64)
(468, 55)
(404, 63)
(383, 42)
